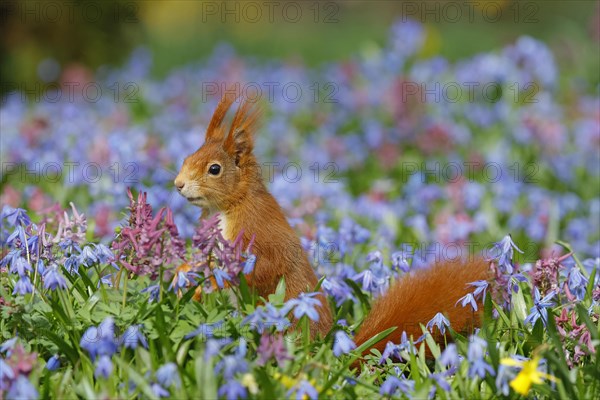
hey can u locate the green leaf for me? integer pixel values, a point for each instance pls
(279, 296)
(63, 346)
(518, 304)
(357, 353)
(140, 381)
(560, 365)
(583, 314)
(247, 297)
(163, 332)
(364, 301)
(205, 379)
(591, 283)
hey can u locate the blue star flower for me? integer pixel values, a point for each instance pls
(469, 298)
(392, 384)
(168, 375)
(305, 305)
(23, 286)
(22, 389)
(539, 308)
(133, 336)
(439, 321)
(303, 390)
(233, 390)
(53, 279)
(104, 367)
(342, 344)
(53, 363)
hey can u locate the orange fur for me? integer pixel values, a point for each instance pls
(239, 194)
(417, 297)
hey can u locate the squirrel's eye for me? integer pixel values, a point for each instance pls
(214, 169)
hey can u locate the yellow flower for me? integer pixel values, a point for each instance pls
(290, 382)
(285, 380)
(528, 375)
(249, 382)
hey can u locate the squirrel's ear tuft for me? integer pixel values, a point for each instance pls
(240, 140)
(215, 130)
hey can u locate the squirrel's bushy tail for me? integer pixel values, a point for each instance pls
(416, 298)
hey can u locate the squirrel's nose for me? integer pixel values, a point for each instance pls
(179, 185)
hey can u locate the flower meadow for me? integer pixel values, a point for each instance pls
(112, 287)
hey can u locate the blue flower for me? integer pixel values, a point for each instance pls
(505, 250)
(440, 321)
(108, 281)
(268, 316)
(205, 330)
(441, 382)
(53, 363)
(450, 357)
(395, 350)
(392, 384)
(15, 216)
(154, 291)
(20, 265)
(133, 336)
(23, 286)
(6, 373)
(88, 256)
(351, 234)
(302, 390)
(231, 365)
(104, 254)
(249, 264)
(19, 233)
(53, 279)
(366, 279)
(22, 389)
(375, 258)
(159, 391)
(342, 344)
(539, 308)
(372, 280)
(104, 367)
(406, 37)
(8, 345)
(400, 261)
(305, 305)
(41, 267)
(10, 258)
(100, 340)
(32, 243)
(232, 389)
(168, 375)
(577, 283)
(513, 282)
(480, 368)
(476, 356)
(469, 298)
(338, 289)
(505, 375)
(183, 280)
(213, 347)
(480, 288)
(72, 264)
(242, 348)
(221, 276)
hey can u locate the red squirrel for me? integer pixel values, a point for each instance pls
(224, 176)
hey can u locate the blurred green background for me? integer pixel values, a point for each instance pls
(95, 33)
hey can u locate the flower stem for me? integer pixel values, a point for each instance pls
(125, 280)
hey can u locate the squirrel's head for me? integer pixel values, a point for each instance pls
(220, 172)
